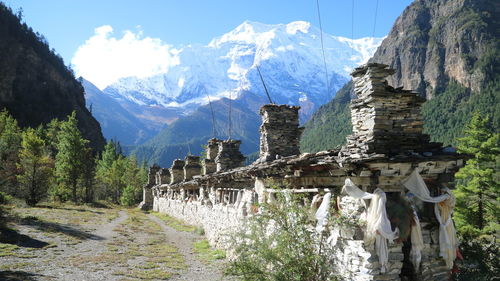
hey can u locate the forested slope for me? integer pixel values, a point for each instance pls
(448, 51)
(35, 85)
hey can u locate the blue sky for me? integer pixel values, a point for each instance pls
(68, 23)
(138, 37)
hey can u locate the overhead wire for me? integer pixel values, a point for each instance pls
(323, 47)
(264, 84)
(214, 133)
(229, 119)
(352, 26)
(375, 19)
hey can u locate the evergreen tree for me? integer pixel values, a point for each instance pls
(477, 210)
(133, 177)
(50, 133)
(115, 179)
(88, 175)
(36, 167)
(10, 142)
(70, 156)
(103, 169)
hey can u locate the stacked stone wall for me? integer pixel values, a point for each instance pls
(386, 146)
(280, 132)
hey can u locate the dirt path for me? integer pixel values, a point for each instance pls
(183, 241)
(73, 243)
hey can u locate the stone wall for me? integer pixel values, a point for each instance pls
(217, 220)
(387, 144)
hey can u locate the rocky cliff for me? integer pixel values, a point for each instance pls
(446, 50)
(35, 85)
(435, 41)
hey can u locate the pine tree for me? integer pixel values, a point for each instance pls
(88, 175)
(69, 158)
(103, 169)
(36, 167)
(478, 202)
(10, 142)
(133, 177)
(50, 133)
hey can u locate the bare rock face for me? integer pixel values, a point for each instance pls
(435, 41)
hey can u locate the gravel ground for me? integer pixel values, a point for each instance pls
(84, 243)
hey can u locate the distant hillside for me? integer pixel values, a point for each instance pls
(289, 57)
(35, 85)
(189, 133)
(114, 119)
(447, 50)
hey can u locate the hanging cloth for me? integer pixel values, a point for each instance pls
(378, 226)
(447, 234)
(417, 243)
(322, 213)
(443, 210)
(415, 183)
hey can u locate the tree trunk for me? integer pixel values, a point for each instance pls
(74, 190)
(480, 211)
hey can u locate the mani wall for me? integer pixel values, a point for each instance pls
(386, 148)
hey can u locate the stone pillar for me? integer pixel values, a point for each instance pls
(177, 171)
(280, 132)
(164, 174)
(229, 155)
(209, 165)
(385, 121)
(152, 174)
(192, 167)
(212, 148)
(147, 193)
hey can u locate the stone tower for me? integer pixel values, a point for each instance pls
(280, 132)
(385, 121)
(229, 155)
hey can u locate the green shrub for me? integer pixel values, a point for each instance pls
(481, 262)
(280, 244)
(5, 198)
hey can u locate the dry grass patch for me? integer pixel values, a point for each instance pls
(142, 243)
(206, 253)
(175, 223)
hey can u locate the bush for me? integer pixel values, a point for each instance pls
(480, 259)
(5, 198)
(280, 243)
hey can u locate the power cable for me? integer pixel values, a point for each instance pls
(264, 84)
(323, 47)
(375, 20)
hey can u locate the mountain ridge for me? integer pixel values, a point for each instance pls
(429, 45)
(288, 55)
(35, 84)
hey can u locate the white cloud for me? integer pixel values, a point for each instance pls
(104, 59)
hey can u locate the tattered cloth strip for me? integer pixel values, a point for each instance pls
(378, 226)
(417, 243)
(443, 211)
(322, 213)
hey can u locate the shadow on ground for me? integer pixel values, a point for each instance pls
(11, 236)
(17, 275)
(70, 209)
(46, 226)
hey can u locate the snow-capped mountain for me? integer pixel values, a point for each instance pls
(289, 57)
